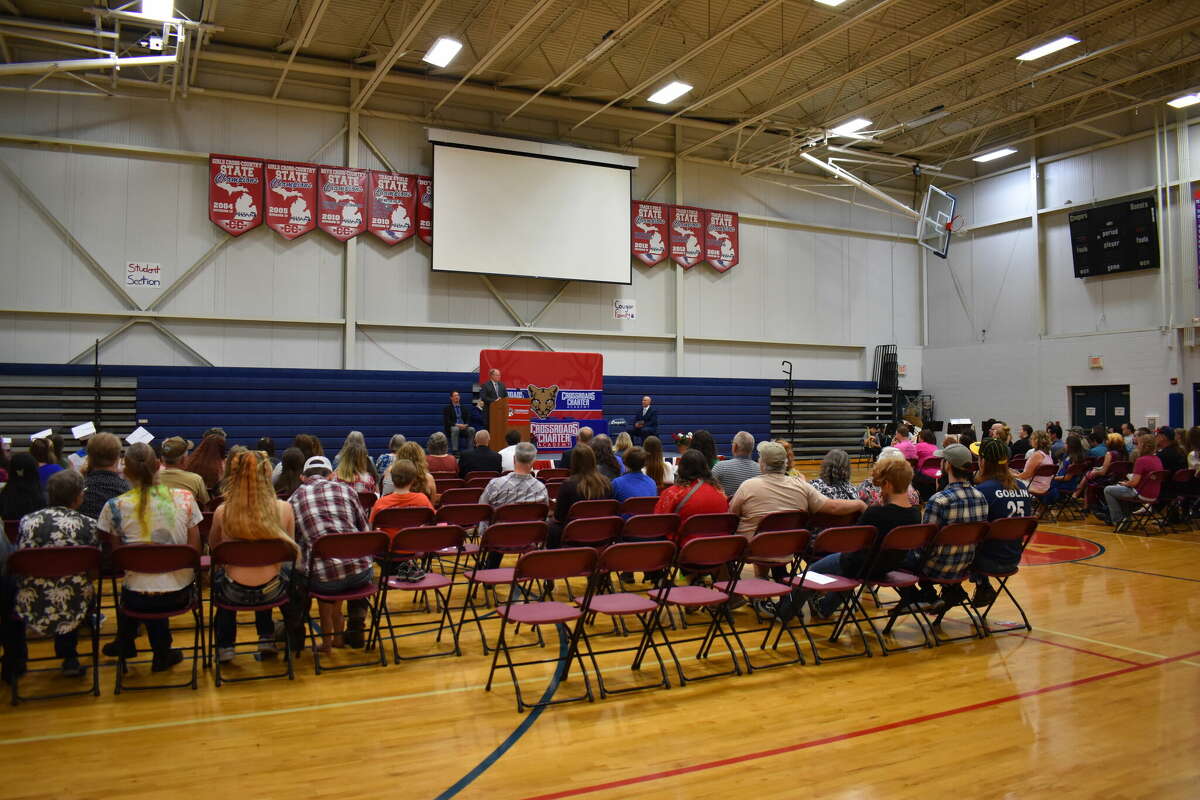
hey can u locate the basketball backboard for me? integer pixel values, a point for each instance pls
(936, 223)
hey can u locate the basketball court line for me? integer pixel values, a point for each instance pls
(1134, 571)
(1081, 650)
(1114, 646)
(811, 743)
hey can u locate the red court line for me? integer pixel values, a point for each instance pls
(841, 737)
(1081, 650)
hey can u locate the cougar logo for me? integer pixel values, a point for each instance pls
(541, 400)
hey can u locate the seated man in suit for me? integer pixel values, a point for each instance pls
(491, 391)
(481, 458)
(646, 422)
(455, 421)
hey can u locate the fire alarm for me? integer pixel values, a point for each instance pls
(1174, 381)
(1096, 362)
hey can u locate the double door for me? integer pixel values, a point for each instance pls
(1105, 405)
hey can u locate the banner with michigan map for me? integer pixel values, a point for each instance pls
(235, 193)
(564, 392)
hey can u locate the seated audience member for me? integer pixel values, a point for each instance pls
(1129, 435)
(1098, 447)
(384, 462)
(408, 489)
(791, 458)
(924, 480)
(425, 483)
(456, 421)
(661, 471)
(1146, 463)
(606, 459)
(901, 442)
(356, 441)
(321, 507)
(1057, 445)
(1093, 488)
(480, 458)
(834, 480)
(1193, 447)
(703, 441)
(967, 439)
(56, 606)
(1007, 496)
(683, 443)
(512, 438)
(1073, 454)
(958, 502)
(1168, 450)
(585, 435)
(518, 486)
(58, 445)
(308, 445)
(23, 493)
(251, 512)
(292, 473)
(621, 446)
(152, 513)
(354, 467)
(634, 483)
(438, 459)
(208, 461)
(732, 473)
(892, 477)
(925, 446)
(872, 494)
(870, 443)
(47, 461)
(695, 490)
(266, 444)
(1038, 456)
(586, 482)
(102, 482)
(1021, 446)
(173, 475)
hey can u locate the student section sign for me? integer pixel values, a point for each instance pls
(560, 392)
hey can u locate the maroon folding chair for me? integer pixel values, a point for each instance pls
(156, 559)
(699, 525)
(463, 495)
(652, 557)
(638, 505)
(846, 539)
(1046, 473)
(1019, 530)
(249, 553)
(581, 509)
(503, 538)
(706, 553)
(520, 512)
(1017, 463)
(927, 462)
(350, 545)
(773, 547)
(480, 483)
(12, 529)
(476, 474)
(445, 484)
(1067, 501)
(367, 501)
(594, 532)
(891, 551)
(214, 502)
(393, 520)
(552, 490)
(441, 474)
(51, 563)
(957, 534)
(823, 519)
(556, 472)
(647, 527)
(547, 565)
(777, 521)
(420, 542)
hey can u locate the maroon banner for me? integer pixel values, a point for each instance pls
(235, 193)
(425, 208)
(342, 202)
(687, 235)
(721, 239)
(393, 206)
(650, 232)
(291, 198)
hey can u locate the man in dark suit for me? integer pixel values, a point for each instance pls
(646, 422)
(491, 391)
(456, 421)
(481, 458)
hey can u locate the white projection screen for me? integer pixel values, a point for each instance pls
(532, 215)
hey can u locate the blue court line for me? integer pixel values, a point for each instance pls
(1135, 571)
(521, 729)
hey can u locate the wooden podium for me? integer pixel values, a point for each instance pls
(499, 424)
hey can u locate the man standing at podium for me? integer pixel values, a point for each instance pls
(646, 422)
(491, 391)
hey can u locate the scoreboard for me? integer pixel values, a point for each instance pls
(1122, 237)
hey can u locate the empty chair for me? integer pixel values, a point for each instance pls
(593, 508)
(554, 472)
(503, 538)
(699, 525)
(481, 473)
(420, 542)
(480, 483)
(445, 484)
(367, 501)
(460, 496)
(638, 505)
(644, 527)
(520, 512)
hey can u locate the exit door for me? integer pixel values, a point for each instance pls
(1104, 405)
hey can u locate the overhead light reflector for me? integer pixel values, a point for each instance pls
(1047, 48)
(851, 127)
(831, 2)
(443, 51)
(672, 91)
(1185, 101)
(159, 9)
(992, 156)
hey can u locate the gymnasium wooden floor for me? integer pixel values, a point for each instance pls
(1103, 698)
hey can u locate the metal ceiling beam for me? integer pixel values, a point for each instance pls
(878, 194)
(306, 33)
(791, 53)
(87, 33)
(76, 65)
(511, 36)
(398, 48)
(609, 42)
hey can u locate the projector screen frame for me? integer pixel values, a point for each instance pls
(501, 151)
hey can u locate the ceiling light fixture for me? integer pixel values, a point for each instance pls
(851, 127)
(443, 51)
(1185, 101)
(992, 156)
(672, 91)
(1047, 48)
(831, 2)
(159, 9)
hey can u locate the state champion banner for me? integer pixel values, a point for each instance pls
(687, 234)
(235, 193)
(562, 392)
(291, 198)
(721, 239)
(342, 202)
(649, 229)
(425, 208)
(393, 206)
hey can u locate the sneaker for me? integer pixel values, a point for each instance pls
(409, 572)
(765, 608)
(224, 655)
(984, 596)
(354, 638)
(267, 648)
(113, 649)
(170, 658)
(953, 595)
(72, 668)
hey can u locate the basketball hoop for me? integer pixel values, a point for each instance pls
(955, 224)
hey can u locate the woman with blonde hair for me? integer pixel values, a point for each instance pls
(425, 484)
(658, 468)
(251, 512)
(622, 445)
(354, 466)
(1092, 489)
(1038, 456)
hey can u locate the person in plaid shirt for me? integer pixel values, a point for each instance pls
(518, 486)
(323, 506)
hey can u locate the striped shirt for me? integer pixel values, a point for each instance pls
(735, 471)
(958, 502)
(323, 507)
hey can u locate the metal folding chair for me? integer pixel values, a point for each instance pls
(845, 539)
(504, 538)
(421, 543)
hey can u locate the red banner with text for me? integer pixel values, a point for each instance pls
(342, 202)
(721, 239)
(235, 193)
(650, 232)
(393, 216)
(562, 391)
(291, 198)
(425, 208)
(687, 235)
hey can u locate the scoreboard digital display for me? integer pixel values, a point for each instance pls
(1122, 237)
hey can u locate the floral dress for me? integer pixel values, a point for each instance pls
(55, 605)
(835, 491)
